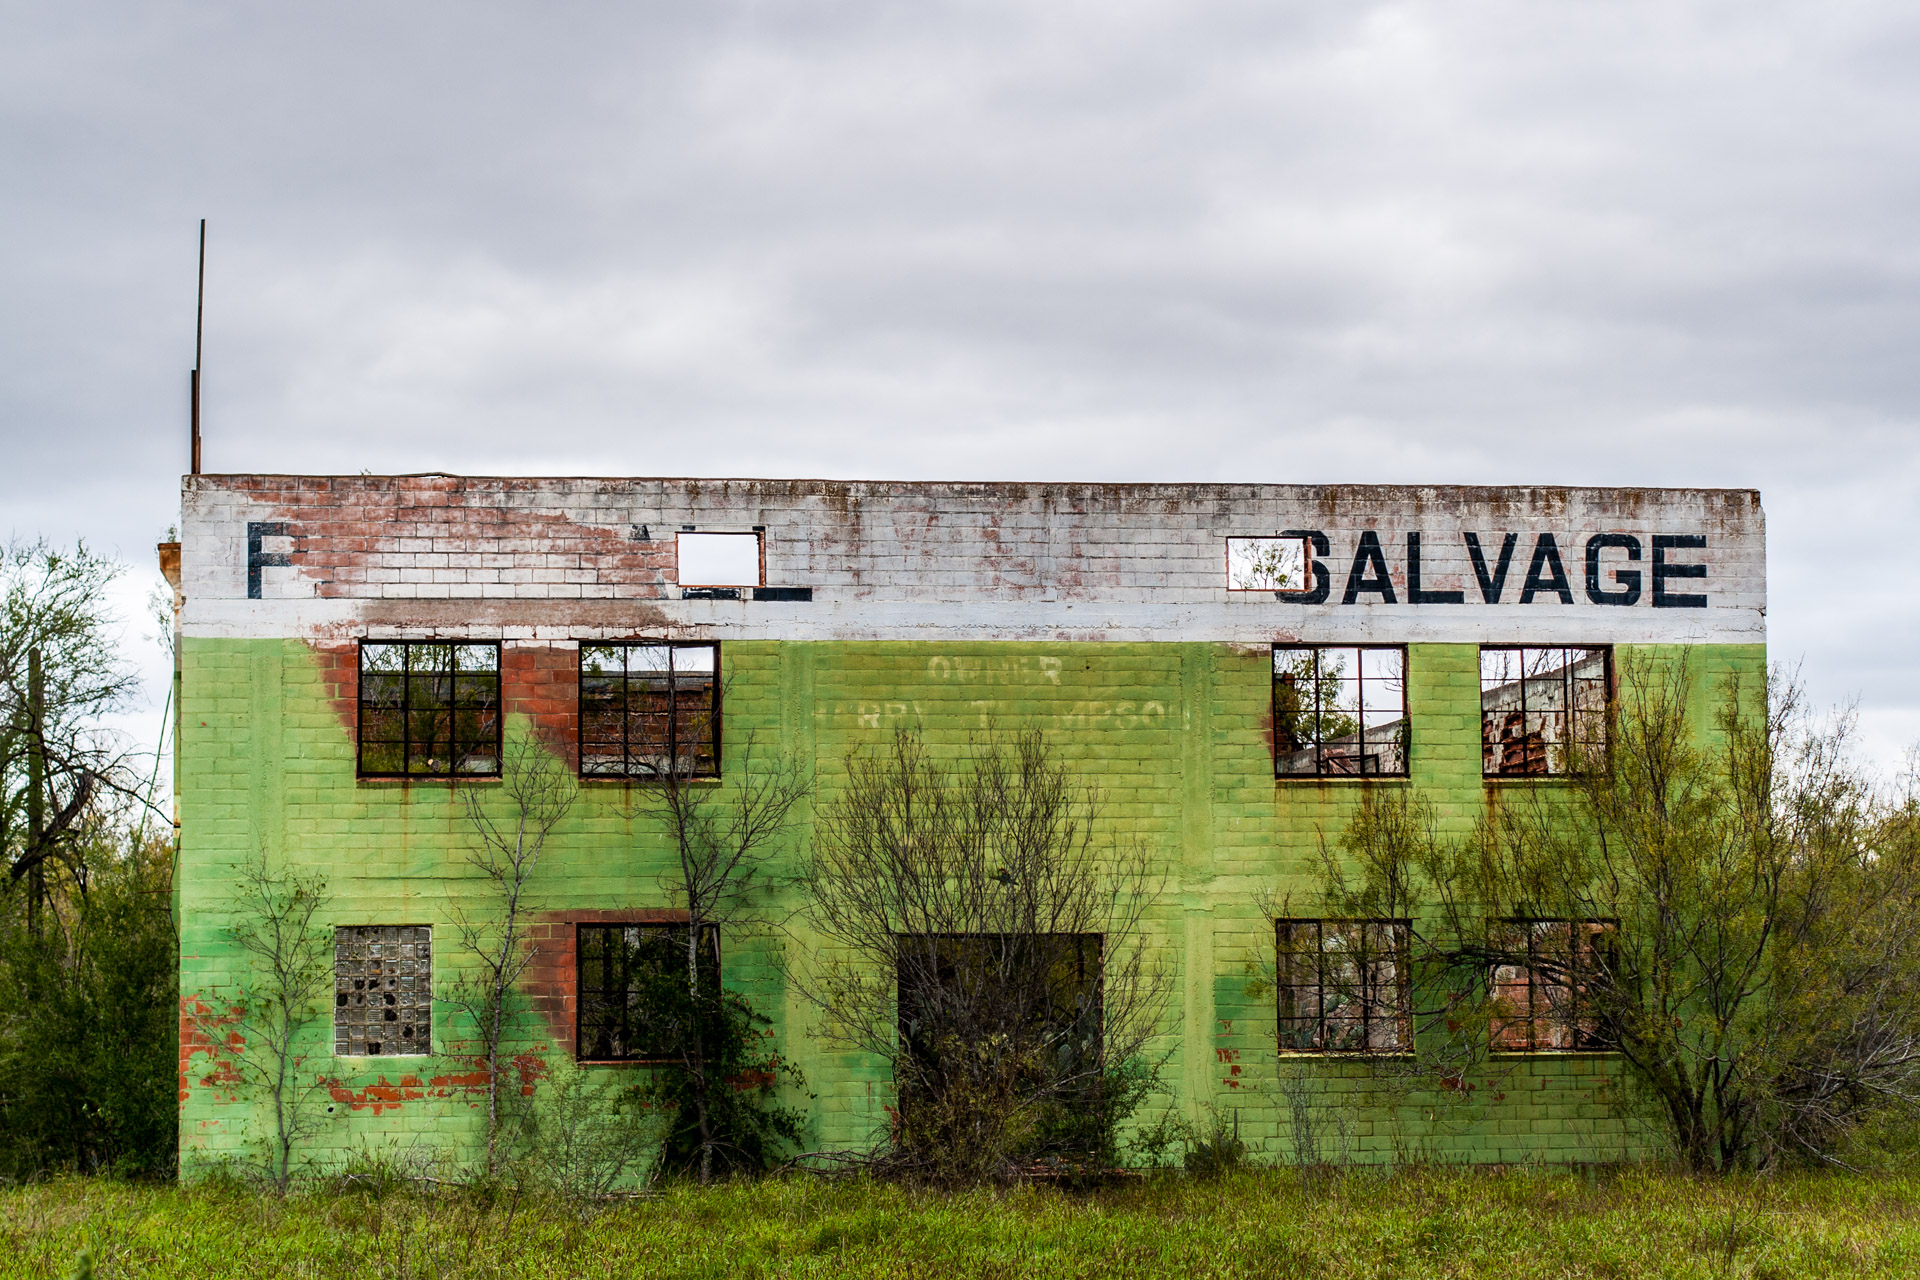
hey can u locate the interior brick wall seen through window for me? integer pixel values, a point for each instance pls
(647, 709)
(1541, 709)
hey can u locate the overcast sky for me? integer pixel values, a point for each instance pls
(1638, 243)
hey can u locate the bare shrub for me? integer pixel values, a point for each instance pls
(985, 939)
(267, 1035)
(719, 1084)
(509, 827)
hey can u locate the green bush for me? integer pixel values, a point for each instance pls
(89, 1024)
(721, 1035)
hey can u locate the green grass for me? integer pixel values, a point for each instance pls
(1262, 1223)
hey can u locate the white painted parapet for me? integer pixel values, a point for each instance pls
(332, 557)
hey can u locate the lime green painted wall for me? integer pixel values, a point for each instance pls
(1173, 734)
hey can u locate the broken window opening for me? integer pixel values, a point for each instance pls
(1267, 564)
(429, 709)
(382, 990)
(1541, 1005)
(706, 560)
(632, 993)
(650, 709)
(1342, 987)
(1543, 711)
(1340, 711)
(965, 1000)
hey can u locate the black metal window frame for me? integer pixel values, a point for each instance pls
(1324, 761)
(455, 705)
(1308, 1032)
(1582, 1032)
(1498, 748)
(589, 1024)
(628, 753)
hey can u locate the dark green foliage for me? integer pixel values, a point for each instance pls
(88, 1025)
(720, 1036)
(1218, 1150)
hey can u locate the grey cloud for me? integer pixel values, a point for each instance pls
(1639, 243)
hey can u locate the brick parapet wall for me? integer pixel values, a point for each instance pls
(552, 558)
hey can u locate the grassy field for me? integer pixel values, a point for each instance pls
(1263, 1223)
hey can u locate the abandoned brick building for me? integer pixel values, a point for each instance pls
(1232, 666)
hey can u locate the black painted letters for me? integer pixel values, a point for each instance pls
(1415, 595)
(1629, 579)
(1546, 554)
(1379, 581)
(1322, 581)
(1491, 585)
(258, 531)
(1662, 543)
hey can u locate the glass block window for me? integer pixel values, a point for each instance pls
(1339, 711)
(1342, 986)
(1542, 709)
(429, 709)
(632, 994)
(1542, 1004)
(649, 708)
(382, 990)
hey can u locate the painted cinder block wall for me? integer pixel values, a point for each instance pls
(1097, 613)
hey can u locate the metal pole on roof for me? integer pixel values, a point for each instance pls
(199, 315)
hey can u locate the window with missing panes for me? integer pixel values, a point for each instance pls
(1339, 711)
(650, 709)
(1342, 986)
(429, 709)
(382, 990)
(1541, 998)
(1543, 709)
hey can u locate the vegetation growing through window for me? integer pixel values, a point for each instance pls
(1543, 1004)
(1266, 564)
(1342, 986)
(632, 982)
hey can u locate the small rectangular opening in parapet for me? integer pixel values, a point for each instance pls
(1267, 564)
(782, 593)
(719, 560)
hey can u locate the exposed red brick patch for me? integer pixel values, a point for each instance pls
(202, 1031)
(542, 682)
(539, 681)
(382, 1096)
(352, 535)
(340, 673)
